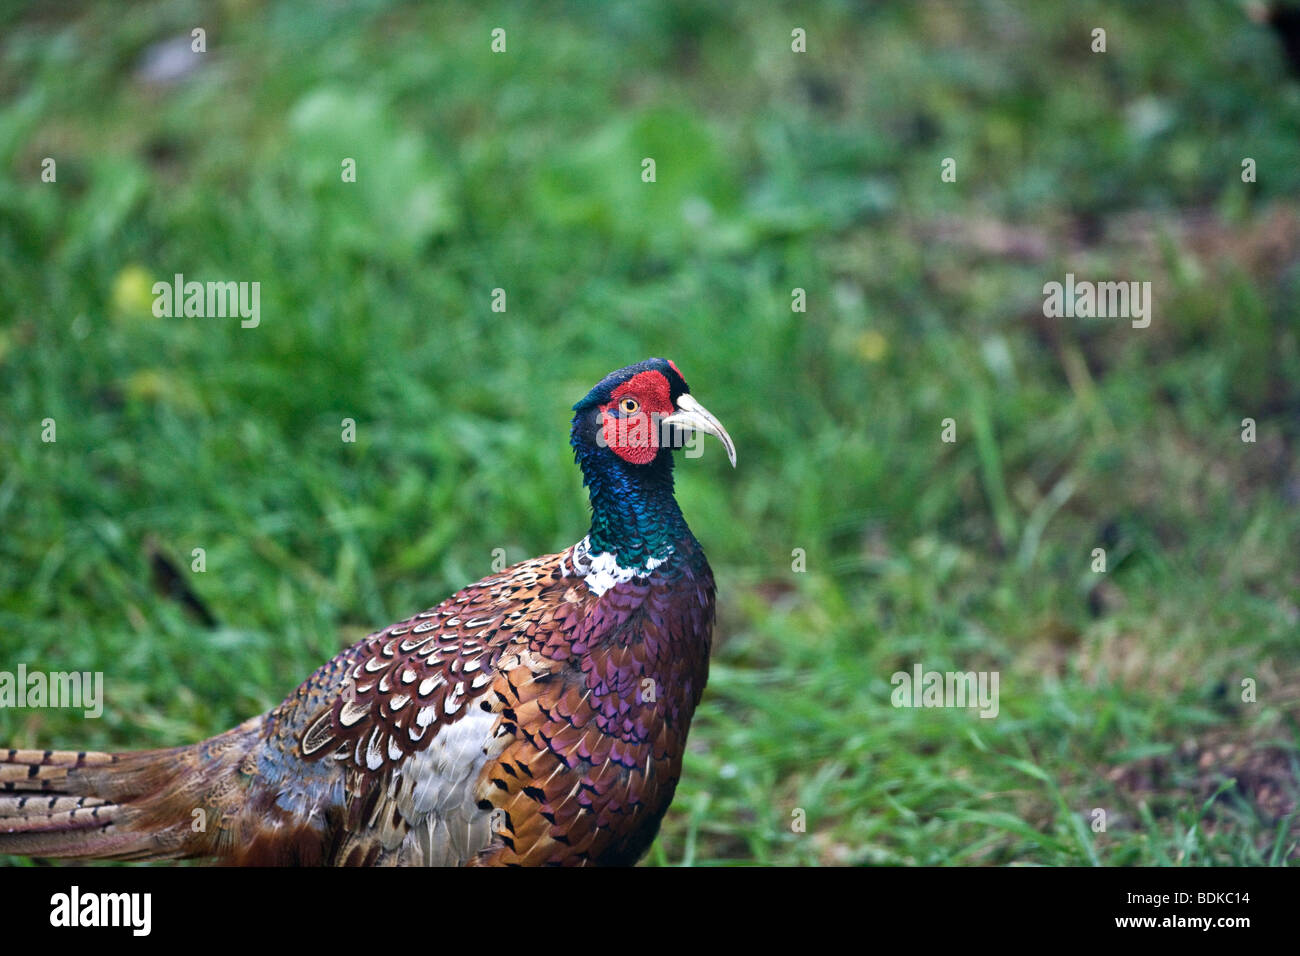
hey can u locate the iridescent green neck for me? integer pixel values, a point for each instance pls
(634, 514)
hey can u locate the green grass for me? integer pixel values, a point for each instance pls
(522, 171)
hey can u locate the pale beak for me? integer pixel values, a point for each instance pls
(691, 414)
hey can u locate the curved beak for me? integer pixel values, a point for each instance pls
(691, 414)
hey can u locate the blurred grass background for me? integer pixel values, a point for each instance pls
(775, 170)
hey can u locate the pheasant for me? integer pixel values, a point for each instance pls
(538, 717)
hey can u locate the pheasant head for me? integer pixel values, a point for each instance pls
(624, 433)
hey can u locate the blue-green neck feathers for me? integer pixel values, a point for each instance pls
(634, 514)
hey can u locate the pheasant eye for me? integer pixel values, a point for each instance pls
(629, 406)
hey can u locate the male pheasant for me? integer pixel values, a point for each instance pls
(538, 717)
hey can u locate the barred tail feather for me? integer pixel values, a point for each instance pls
(120, 806)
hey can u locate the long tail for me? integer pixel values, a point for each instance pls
(143, 805)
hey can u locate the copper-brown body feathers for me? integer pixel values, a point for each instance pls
(525, 720)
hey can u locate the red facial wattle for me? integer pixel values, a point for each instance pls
(635, 437)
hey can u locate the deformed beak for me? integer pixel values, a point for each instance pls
(691, 414)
